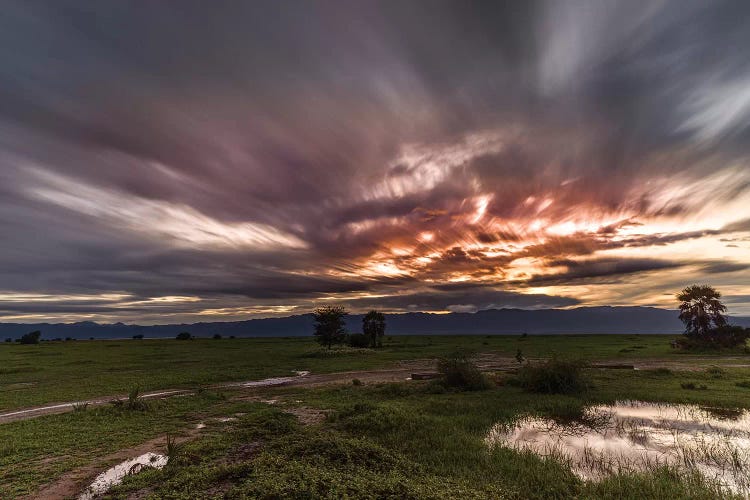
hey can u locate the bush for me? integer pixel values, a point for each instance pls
(727, 336)
(553, 377)
(459, 372)
(692, 386)
(661, 371)
(31, 338)
(184, 336)
(216, 336)
(359, 340)
(138, 337)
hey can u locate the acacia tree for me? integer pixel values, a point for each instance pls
(701, 311)
(373, 326)
(31, 338)
(329, 324)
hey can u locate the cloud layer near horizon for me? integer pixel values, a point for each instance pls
(212, 160)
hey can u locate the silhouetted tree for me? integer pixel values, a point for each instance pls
(184, 336)
(701, 311)
(31, 338)
(373, 326)
(329, 325)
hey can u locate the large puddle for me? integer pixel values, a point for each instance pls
(633, 436)
(115, 475)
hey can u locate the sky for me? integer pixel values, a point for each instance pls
(190, 161)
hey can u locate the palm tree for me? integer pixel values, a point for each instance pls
(700, 308)
(373, 326)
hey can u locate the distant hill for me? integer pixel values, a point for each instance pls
(490, 322)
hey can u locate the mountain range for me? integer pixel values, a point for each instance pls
(586, 320)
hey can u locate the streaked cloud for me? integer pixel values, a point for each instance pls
(163, 164)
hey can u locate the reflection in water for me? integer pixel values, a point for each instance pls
(632, 436)
(116, 474)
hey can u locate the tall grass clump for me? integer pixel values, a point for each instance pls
(458, 372)
(173, 449)
(555, 376)
(135, 401)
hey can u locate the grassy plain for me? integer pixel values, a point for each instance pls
(66, 371)
(379, 440)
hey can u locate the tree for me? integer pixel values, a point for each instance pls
(184, 336)
(373, 326)
(217, 336)
(701, 311)
(329, 325)
(31, 338)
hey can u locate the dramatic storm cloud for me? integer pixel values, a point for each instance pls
(188, 161)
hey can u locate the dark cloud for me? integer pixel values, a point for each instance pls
(600, 270)
(724, 267)
(463, 300)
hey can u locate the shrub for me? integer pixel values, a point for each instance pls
(553, 377)
(459, 372)
(727, 336)
(692, 386)
(9, 339)
(184, 336)
(661, 371)
(138, 337)
(216, 336)
(359, 340)
(31, 338)
(357, 382)
(745, 384)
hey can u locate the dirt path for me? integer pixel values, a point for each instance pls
(303, 379)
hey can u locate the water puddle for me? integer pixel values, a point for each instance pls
(270, 382)
(631, 436)
(116, 474)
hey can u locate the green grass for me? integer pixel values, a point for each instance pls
(67, 371)
(404, 440)
(35, 451)
(401, 441)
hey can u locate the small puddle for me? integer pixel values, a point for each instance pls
(269, 382)
(115, 475)
(631, 436)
